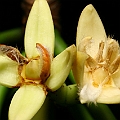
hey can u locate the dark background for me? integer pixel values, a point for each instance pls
(108, 10)
(70, 10)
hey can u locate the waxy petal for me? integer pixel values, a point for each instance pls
(78, 67)
(26, 102)
(33, 69)
(90, 25)
(60, 68)
(39, 29)
(116, 78)
(8, 72)
(109, 95)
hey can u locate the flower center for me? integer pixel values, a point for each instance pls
(38, 69)
(104, 65)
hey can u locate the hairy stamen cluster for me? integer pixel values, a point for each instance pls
(99, 71)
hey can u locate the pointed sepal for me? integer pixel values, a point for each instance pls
(9, 76)
(26, 102)
(60, 68)
(39, 29)
(90, 25)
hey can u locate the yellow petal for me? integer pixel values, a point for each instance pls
(116, 78)
(39, 29)
(8, 72)
(60, 68)
(109, 95)
(113, 50)
(90, 25)
(33, 69)
(89, 93)
(78, 66)
(26, 102)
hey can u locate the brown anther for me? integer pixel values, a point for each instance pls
(46, 62)
(99, 57)
(115, 65)
(91, 63)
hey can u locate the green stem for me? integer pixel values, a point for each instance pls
(80, 112)
(101, 112)
(66, 95)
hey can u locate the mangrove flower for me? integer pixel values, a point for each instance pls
(97, 65)
(38, 71)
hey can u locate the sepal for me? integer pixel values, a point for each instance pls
(60, 68)
(26, 102)
(39, 29)
(90, 25)
(109, 95)
(9, 76)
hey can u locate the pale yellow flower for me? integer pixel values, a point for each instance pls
(38, 72)
(97, 65)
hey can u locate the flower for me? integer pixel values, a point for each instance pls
(38, 72)
(97, 65)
